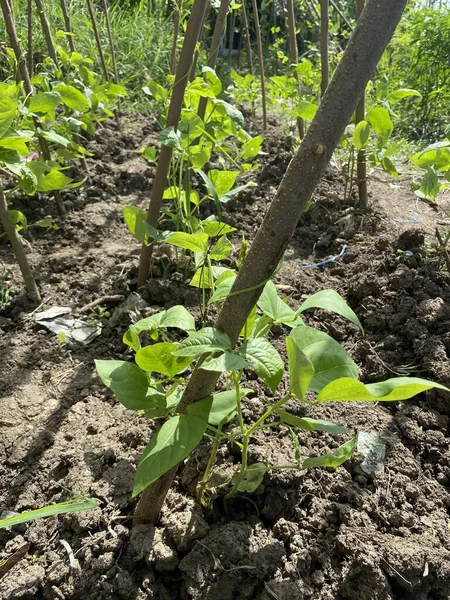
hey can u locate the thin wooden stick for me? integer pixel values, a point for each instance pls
(30, 60)
(325, 67)
(18, 250)
(293, 52)
(360, 113)
(176, 29)
(47, 33)
(248, 44)
(97, 40)
(68, 27)
(261, 61)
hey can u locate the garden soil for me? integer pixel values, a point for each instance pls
(323, 534)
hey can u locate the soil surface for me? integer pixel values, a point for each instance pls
(322, 534)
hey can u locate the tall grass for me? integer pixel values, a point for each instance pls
(142, 40)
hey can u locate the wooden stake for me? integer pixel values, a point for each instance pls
(97, 40)
(65, 13)
(47, 33)
(360, 113)
(248, 44)
(261, 61)
(325, 67)
(30, 37)
(293, 52)
(176, 29)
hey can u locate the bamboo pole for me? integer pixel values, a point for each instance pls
(173, 117)
(68, 27)
(261, 62)
(370, 38)
(97, 39)
(13, 40)
(47, 33)
(325, 67)
(18, 250)
(360, 113)
(197, 50)
(293, 52)
(30, 59)
(176, 29)
(248, 44)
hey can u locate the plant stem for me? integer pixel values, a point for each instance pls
(65, 13)
(18, 250)
(361, 167)
(261, 62)
(47, 32)
(369, 40)
(325, 67)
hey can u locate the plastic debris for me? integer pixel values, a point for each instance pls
(325, 262)
(59, 319)
(372, 448)
(414, 219)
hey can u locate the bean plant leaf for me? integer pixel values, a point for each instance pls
(301, 369)
(161, 358)
(328, 357)
(391, 390)
(305, 110)
(228, 361)
(221, 249)
(361, 135)
(136, 221)
(397, 95)
(177, 316)
(131, 338)
(218, 409)
(204, 340)
(8, 106)
(273, 306)
(222, 181)
(253, 477)
(128, 383)
(196, 242)
(212, 80)
(216, 228)
(331, 300)
(380, 119)
(73, 98)
(170, 138)
(308, 424)
(251, 148)
(222, 290)
(203, 278)
(44, 102)
(332, 459)
(436, 155)
(265, 361)
(168, 446)
(62, 508)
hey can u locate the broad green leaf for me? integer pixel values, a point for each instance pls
(44, 102)
(177, 316)
(149, 154)
(9, 157)
(17, 143)
(48, 179)
(301, 369)
(212, 80)
(273, 306)
(200, 155)
(223, 289)
(168, 446)
(389, 166)
(231, 111)
(380, 119)
(55, 138)
(156, 90)
(170, 138)
(221, 249)
(392, 390)
(331, 300)
(228, 361)
(361, 135)
(8, 106)
(128, 383)
(222, 181)
(73, 98)
(136, 221)
(216, 228)
(218, 409)
(190, 126)
(161, 358)
(253, 477)
(328, 357)
(308, 424)
(18, 218)
(436, 155)
(397, 95)
(265, 361)
(332, 459)
(196, 242)
(207, 339)
(131, 338)
(252, 147)
(203, 278)
(62, 508)
(305, 110)
(429, 185)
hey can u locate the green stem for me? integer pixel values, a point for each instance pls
(268, 412)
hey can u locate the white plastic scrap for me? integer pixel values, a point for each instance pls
(59, 319)
(372, 448)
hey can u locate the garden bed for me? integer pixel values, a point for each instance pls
(321, 534)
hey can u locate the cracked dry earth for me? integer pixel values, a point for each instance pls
(322, 534)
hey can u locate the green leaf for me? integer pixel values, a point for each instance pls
(221, 249)
(389, 166)
(161, 358)
(218, 409)
(222, 181)
(228, 361)
(216, 228)
(196, 242)
(331, 300)
(223, 289)
(73, 98)
(156, 90)
(252, 479)
(207, 339)
(397, 95)
(9, 157)
(392, 390)
(136, 221)
(190, 126)
(44, 102)
(301, 369)
(265, 360)
(177, 316)
(305, 110)
(8, 106)
(149, 154)
(128, 383)
(308, 424)
(168, 446)
(332, 459)
(231, 111)
(55, 138)
(209, 75)
(131, 338)
(328, 357)
(62, 508)
(361, 135)
(203, 278)
(252, 147)
(429, 185)
(170, 138)
(436, 155)
(48, 179)
(380, 119)
(274, 307)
